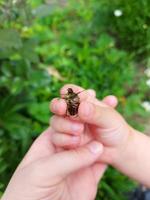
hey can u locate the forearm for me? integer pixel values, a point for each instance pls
(134, 158)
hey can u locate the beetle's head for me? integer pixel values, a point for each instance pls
(70, 90)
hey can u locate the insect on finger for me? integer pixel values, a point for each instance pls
(73, 101)
(75, 88)
(74, 95)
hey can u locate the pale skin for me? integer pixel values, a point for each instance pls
(124, 147)
(50, 172)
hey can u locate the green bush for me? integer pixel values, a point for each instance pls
(131, 29)
(24, 87)
(42, 47)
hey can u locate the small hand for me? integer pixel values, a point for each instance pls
(97, 120)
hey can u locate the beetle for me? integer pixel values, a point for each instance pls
(73, 101)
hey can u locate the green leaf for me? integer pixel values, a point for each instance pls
(6, 53)
(10, 38)
(40, 111)
(104, 42)
(111, 192)
(40, 78)
(3, 167)
(27, 51)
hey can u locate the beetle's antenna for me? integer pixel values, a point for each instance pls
(80, 92)
(76, 93)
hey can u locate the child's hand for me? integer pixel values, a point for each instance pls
(46, 174)
(124, 147)
(96, 120)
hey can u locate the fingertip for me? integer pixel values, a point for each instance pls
(58, 106)
(91, 92)
(52, 104)
(62, 106)
(111, 100)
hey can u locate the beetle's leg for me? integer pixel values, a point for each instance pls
(66, 112)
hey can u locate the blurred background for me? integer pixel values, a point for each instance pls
(99, 44)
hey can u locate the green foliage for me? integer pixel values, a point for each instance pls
(112, 190)
(24, 88)
(45, 46)
(131, 29)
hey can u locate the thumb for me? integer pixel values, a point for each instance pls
(66, 162)
(99, 115)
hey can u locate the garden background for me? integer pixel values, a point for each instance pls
(104, 45)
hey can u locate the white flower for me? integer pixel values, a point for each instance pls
(14, 1)
(148, 82)
(118, 13)
(147, 72)
(146, 105)
(145, 26)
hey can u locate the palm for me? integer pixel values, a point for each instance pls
(81, 185)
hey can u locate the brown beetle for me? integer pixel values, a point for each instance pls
(73, 101)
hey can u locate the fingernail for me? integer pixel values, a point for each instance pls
(95, 147)
(87, 109)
